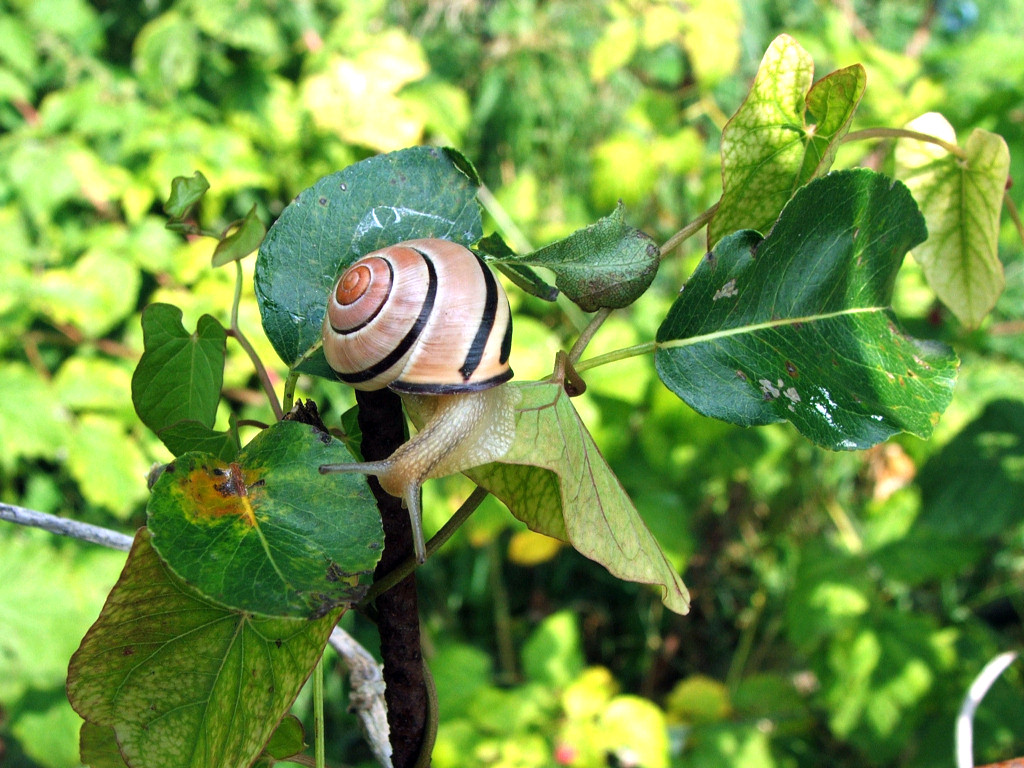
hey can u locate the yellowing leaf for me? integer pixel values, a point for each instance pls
(960, 199)
(770, 147)
(527, 548)
(711, 33)
(556, 481)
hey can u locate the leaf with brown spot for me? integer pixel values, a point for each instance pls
(267, 533)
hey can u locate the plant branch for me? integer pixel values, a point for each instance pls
(688, 231)
(903, 133)
(619, 354)
(236, 332)
(438, 540)
(319, 752)
(366, 695)
(1014, 214)
(94, 534)
(398, 621)
(597, 321)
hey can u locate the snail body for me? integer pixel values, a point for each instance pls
(429, 320)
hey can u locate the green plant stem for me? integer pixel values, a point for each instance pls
(588, 333)
(289, 390)
(619, 354)
(597, 321)
(1014, 214)
(688, 231)
(903, 133)
(436, 542)
(318, 712)
(236, 332)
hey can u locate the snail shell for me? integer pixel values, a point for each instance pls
(422, 317)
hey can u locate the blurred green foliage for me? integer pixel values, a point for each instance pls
(842, 602)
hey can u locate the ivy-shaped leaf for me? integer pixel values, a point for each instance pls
(267, 533)
(184, 682)
(798, 326)
(961, 199)
(783, 135)
(556, 481)
(412, 193)
(186, 192)
(608, 264)
(176, 385)
(244, 238)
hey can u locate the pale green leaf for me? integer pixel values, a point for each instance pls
(556, 481)
(961, 200)
(772, 146)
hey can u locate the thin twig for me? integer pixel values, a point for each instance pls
(236, 332)
(903, 133)
(688, 231)
(965, 720)
(64, 527)
(436, 542)
(588, 333)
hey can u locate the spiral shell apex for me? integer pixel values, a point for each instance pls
(423, 316)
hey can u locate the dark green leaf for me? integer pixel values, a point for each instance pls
(182, 681)
(186, 191)
(412, 193)
(798, 327)
(268, 533)
(974, 486)
(608, 264)
(243, 240)
(176, 385)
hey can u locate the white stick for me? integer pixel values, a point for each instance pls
(61, 525)
(977, 691)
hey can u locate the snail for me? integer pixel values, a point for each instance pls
(429, 320)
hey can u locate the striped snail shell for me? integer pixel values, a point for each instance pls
(423, 316)
(428, 319)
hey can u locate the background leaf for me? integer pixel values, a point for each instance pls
(973, 488)
(816, 343)
(176, 385)
(769, 149)
(418, 192)
(268, 533)
(555, 480)
(961, 200)
(243, 240)
(182, 681)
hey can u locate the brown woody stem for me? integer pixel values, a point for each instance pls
(398, 620)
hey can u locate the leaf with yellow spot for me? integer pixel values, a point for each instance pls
(267, 533)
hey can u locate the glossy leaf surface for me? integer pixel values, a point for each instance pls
(556, 481)
(184, 682)
(798, 327)
(267, 533)
(784, 134)
(412, 193)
